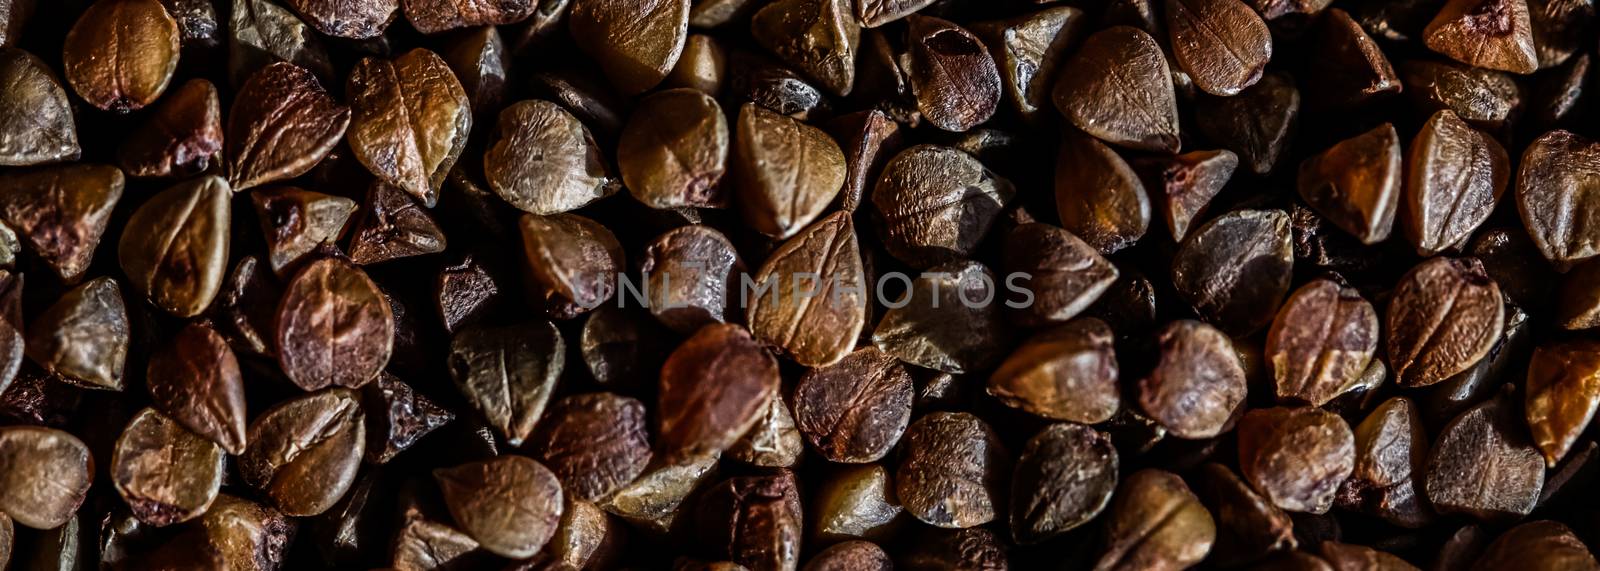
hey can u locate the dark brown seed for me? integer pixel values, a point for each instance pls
(874, 13)
(1248, 526)
(1156, 523)
(953, 471)
(44, 475)
(1064, 274)
(1351, 556)
(817, 37)
(1274, 9)
(1559, 28)
(196, 381)
(1516, 264)
(398, 417)
(1557, 98)
(1183, 185)
(1391, 451)
(281, 124)
(510, 505)
(479, 59)
(544, 161)
(12, 338)
(84, 336)
(1552, 197)
(855, 502)
(8, 540)
(466, 292)
(174, 248)
(850, 556)
(757, 79)
(1134, 108)
(953, 77)
(1444, 316)
(1222, 44)
(702, 67)
(393, 225)
(1350, 69)
(166, 474)
(574, 262)
(409, 120)
(587, 537)
(246, 312)
(635, 42)
(251, 536)
(595, 443)
(1484, 464)
(36, 126)
(674, 150)
(622, 348)
(1098, 196)
(950, 321)
(121, 54)
(1256, 123)
(810, 295)
(261, 32)
(304, 452)
(653, 501)
(197, 22)
(420, 544)
(1197, 385)
(1066, 373)
(334, 326)
(692, 277)
(355, 19)
(507, 373)
(854, 411)
(1485, 98)
(1455, 176)
(774, 441)
(1029, 50)
(434, 16)
(296, 221)
(13, 16)
(936, 203)
(714, 387)
(1493, 34)
(786, 172)
(1063, 479)
(1578, 303)
(1563, 392)
(1235, 270)
(1296, 457)
(1537, 545)
(754, 521)
(182, 136)
(1321, 342)
(61, 212)
(1356, 183)
(1456, 394)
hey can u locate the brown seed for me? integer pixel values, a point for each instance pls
(1351, 556)
(1065, 274)
(12, 339)
(1559, 28)
(817, 37)
(421, 544)
(1296, 457)
(587, 537)
(121, 54)
(296, 221)
(1248, 526)
(850, 556)
(854, 411)
(595, 443)
(875, 13)
(1098, 196)
(754, 521)
(166, 474)
(355, 19)
(952, 471)
(182, 136)
(304, 452)
(1556, 98)
(8, 540)
(1578, 302)
(1321, 342)
(1066, 373)
(1222, 44)
(953, 77)
(196, 381)
(1553, 199)
(856, 501)
(574, 262)
(281, 124)
(1156, 523)
(1257, 123)
(175, 246)
(1444, 316)
(84, 336)
(787, 172)
(774, 441)
(466, 292)
(1351, 70)
(1391, 449)
(702, 67)
(653, 501)
(434, 16)
(510, 504)
(479, 59)
(1135, 108)
(246, 312)
(507, 373)
(36, 126)
(334, 326)
(674, 150)
(61, 212)
(1563, 393)
(1484, 465)
(1511, 257)
(622, 348)
(950, 321)
(1183, 185)
(635, 42)
(1485, 98)
(252, 536)
(1063, 479)
(1274, 9)
(398, 417)
(1494, 34)
(763, 81)
(543, 160)
(714, 387)
(1197, 385)
(1537, 545)
(1356, 183)
(1029, 49)
(44, 475)
(261, 32)
(1235, 270)
(690, 274)
(936, 202)
(810, 295)
(409, 120)
(392, 226)
(1454, 179)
